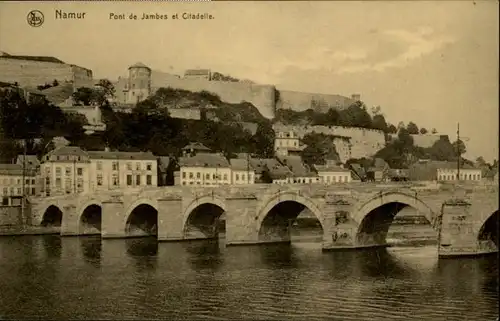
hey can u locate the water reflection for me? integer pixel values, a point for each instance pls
(204, 254)
(141, 279)
(91, 250)
(52, 245)
(143, 251)
(279, 256)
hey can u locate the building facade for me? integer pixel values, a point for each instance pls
(69, 169)
(11, 181)
(207, 169)
(241, 172)
(287, 143)
(333, 174)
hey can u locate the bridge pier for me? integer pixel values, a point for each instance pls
(170, 219)
(241, 218)
(70, 221)
(457, 237)
(113, 224)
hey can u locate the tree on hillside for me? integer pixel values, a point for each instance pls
(380, 123)
(392, 129)
(405, 140)
(434, 131)
(412, 128)
(423, 131)
(442, 150)
(401, 125)
(263, 141)
(319, 146)
(355, 116)
(459, 147)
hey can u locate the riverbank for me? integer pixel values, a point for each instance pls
(14, 230)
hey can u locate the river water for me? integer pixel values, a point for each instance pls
(85, 278)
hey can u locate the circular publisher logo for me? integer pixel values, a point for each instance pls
(35, 18)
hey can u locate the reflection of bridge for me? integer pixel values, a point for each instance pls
(352, 216)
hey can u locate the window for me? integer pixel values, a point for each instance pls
(99, 179)
(138, 166)
(207, 176)
(58, 182)
(33, 182)
(68, 170)
(99, 166)
(129, 180)
(198, 175)
(27, 181)
(18, 181)
(67, 185)
(129, 166)
(33, 191)
(149, 166)
(242, 177)
(115, 166)
(214, 177)
(79, 171)
(190, 175)
(183, 174)
(5, 191)
(19, 191)
(149, 180)
(58, 171)
(79, 185)
(237, 177)
(116, 181)
(138, 180)
(225, 177)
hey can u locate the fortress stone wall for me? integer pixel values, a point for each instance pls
(262, 96)
(300, 101)
(28, 73)
(364, 142)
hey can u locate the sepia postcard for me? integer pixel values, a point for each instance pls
(249, 160)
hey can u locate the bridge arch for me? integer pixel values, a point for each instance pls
(141, 218)
(90, 218)
(375, 216)
(489, 229)
(52, 215)
(274, 216)
(200, 219)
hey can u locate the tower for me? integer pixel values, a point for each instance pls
(139, 83)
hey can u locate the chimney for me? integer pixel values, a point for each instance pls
(356, 97)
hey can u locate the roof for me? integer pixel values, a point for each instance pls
(296, 166)
(276, 170)
(240, 164)
(16, 170)
(139, 65)
(197, 72)
(121, 155)
(67, 150)
(326, 168)
(450, 165)
(31, 160)
(204, 160)
(196, 146)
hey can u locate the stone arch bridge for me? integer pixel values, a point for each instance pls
(351, 215)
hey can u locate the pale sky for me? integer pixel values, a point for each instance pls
(434, 63)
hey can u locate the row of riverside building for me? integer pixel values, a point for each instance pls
(70, 169)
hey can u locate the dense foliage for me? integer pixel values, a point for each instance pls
(147, 127)
(320, 147)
